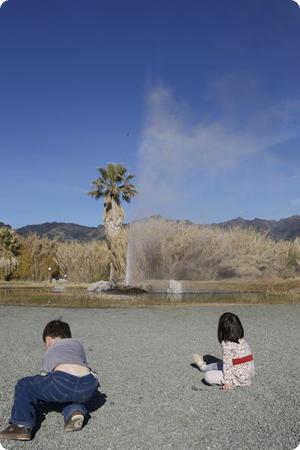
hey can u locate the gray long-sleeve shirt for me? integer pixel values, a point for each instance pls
(64, 351)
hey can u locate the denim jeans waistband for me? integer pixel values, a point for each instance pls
(68, 376)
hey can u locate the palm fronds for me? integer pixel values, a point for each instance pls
(113, 184)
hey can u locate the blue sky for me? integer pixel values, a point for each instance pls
(200, 99)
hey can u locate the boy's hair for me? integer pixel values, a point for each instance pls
(230, 328)
(57, 328)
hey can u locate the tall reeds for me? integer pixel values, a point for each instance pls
(37, 255)
(159, 249)
(163, 249)
(83, 262)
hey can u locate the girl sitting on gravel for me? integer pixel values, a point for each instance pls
(237, 367)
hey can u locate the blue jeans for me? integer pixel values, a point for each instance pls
(56, 387)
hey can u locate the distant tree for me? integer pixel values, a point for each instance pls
(114, 185)
(9, 251)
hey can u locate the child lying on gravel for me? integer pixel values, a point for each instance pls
(237, 367)
(66, 379)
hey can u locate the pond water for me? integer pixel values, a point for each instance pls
(82, 298)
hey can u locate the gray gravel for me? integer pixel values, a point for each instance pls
(155, 399)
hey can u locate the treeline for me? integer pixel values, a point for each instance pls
(159, 249)
(30, 258)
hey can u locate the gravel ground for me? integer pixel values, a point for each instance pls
(155, 398)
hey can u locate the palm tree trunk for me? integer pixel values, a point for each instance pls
(114, 233)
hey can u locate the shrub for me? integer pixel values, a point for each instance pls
(9, 250)
(36, 256)
(83, 262)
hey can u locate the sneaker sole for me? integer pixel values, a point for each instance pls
(75, 423)
(9, 438)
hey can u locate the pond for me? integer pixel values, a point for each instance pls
(79, 298)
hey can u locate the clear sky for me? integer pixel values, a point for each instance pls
(199, 98)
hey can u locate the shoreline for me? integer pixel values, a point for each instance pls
(201, 293)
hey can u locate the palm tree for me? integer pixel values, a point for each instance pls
(114, 185)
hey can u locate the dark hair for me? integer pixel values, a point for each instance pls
(57, 328)
(230, 328)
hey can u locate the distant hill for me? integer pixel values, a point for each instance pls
(2, 224)
(283, 229)
(63, 231)
(287, 229)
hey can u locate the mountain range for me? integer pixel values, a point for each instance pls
(287, 229)
(63, 231)
(283, 229)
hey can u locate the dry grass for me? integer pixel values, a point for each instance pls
(36, 256)
(83, 262)
(160, 249)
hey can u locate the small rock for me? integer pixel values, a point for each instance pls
(175, 287)
(100, 286)
(58, 289)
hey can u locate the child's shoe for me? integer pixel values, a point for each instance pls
(199, 361)
(16, 433)
(75, 422)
